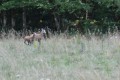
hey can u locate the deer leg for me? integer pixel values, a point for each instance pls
(25, 42)
(39, 41)
(44, 35)
(29, 42)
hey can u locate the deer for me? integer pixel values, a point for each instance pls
(29, 39)
(40, 35)
(35, 37)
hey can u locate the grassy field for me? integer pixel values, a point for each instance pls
(58, 58)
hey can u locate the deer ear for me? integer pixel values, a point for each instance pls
(34, 33)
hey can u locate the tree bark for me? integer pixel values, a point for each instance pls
(12, 20)
(24, 18)
(56, 22)
(86, 12)
(0, 18)
(4, 19)
(86, 15)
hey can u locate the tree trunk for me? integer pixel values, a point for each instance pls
(56, 22)
(0, 19)
(86, 12)
(24, 18)
(12, 20)
(86, 15)
(4, 19)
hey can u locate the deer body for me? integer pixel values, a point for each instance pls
(35, 36)
(39, 36)
(29, 39)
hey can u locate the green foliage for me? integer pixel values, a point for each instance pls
(105, 12)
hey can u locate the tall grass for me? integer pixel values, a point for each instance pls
(59, 58)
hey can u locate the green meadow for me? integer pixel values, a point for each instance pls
(59, 58)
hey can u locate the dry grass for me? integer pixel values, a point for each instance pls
(58, 58)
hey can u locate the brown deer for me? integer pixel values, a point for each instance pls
(40, 35)
(29, 39)
(35, 36)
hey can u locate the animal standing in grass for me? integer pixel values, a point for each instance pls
(35, 37)
(29, 39)
(39, 36)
